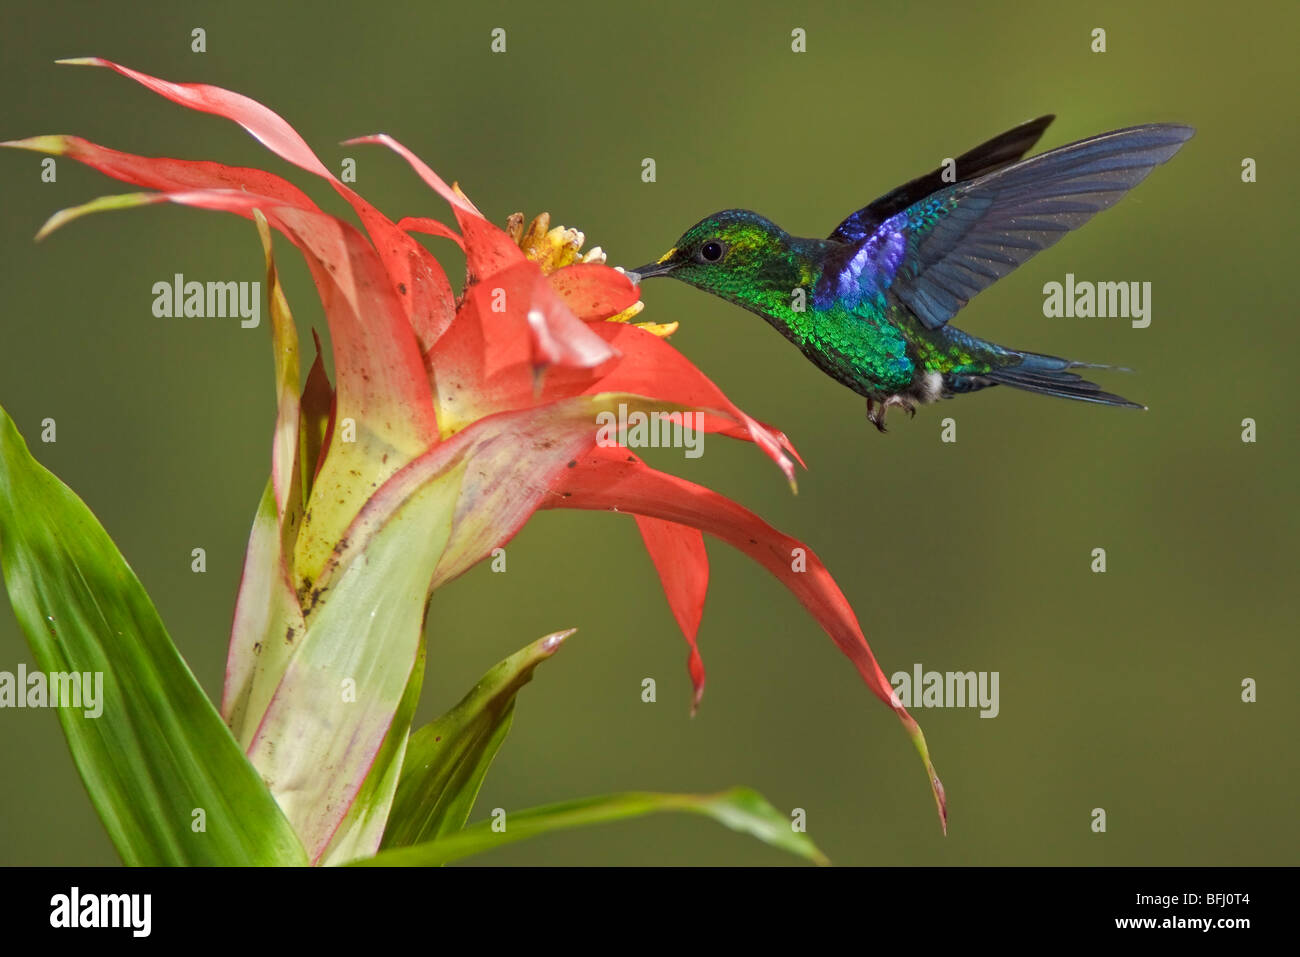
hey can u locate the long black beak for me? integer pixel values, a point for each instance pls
(650, 270)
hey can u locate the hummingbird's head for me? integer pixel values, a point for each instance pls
(735, 254)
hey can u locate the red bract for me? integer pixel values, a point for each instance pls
(469, 414)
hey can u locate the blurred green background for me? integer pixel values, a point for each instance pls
(1119, 691)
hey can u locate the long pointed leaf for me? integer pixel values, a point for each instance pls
(159, 752)
(447, 759)
(740, 809)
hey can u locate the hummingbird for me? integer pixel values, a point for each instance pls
(870, 304)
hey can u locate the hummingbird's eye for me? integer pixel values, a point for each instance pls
(711, 252)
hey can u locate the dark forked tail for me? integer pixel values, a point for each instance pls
(1048, 375)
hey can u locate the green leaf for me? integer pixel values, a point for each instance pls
(360, 832)
(446, 760)
(158, 753)
(268, 622)
(326, 723)
(268, 617)
(740, 809)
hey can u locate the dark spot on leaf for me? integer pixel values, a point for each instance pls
(573, 464)
(257, 647)
(753, 541)
(315, 597)
(401, 287)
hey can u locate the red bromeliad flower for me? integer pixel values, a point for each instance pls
(452, 420)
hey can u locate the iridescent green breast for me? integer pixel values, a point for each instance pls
(854, 343)
(861, 347)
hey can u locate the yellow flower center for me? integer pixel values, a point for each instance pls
(556, 248)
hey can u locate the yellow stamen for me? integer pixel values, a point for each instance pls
(628, 313)
(661, 329)
(553, 249)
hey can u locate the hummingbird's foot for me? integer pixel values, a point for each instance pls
(876, 415)
(876, 411)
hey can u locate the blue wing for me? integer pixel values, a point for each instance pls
(974, 163)
(940, 252)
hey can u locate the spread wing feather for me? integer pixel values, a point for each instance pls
(983, 159)
(963, 238)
